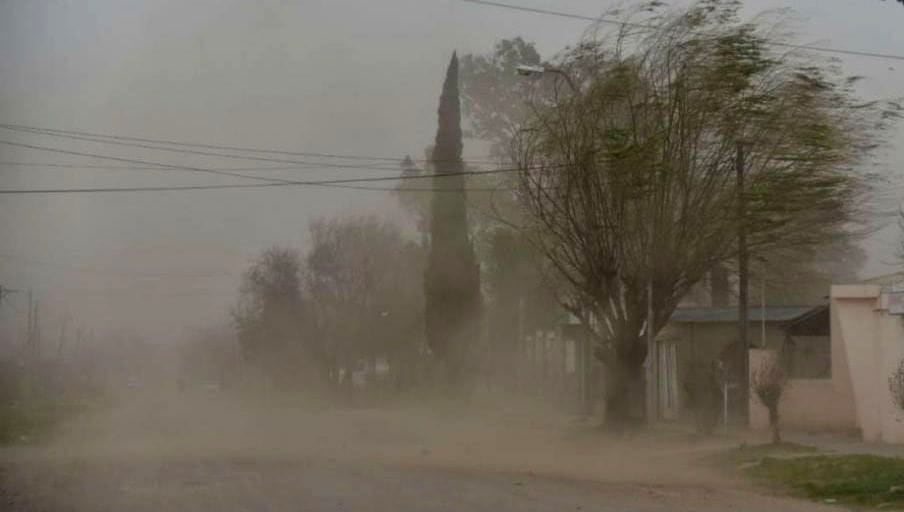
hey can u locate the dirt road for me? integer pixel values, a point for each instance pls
(314, 485)
(233, 459)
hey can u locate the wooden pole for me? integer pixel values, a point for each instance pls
(743, 294)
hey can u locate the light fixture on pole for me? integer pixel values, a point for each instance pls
(531, 70)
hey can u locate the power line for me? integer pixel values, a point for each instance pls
(334, 183)
(134, 167)
(245, 169)
(269, 182)
(238, 186)
(109, 272)
(58, 134)
(223, 147)
(129, 160)
(560, 14)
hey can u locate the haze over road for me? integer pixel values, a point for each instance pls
(163, 455)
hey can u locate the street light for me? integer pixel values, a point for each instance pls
(529, 70)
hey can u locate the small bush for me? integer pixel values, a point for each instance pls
(896, 386)
(769, 383)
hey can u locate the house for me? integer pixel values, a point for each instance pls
(866, 348)
(839, 358)
(696, 338)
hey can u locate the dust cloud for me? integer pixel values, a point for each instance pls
(209, 450)
(441, 433)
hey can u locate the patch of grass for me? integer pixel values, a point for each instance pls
(784, 449)
(22, 423)
(867, 481)
(749, 454)
(35, 420)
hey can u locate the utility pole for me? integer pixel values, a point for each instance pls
(652, 358)
(78, 337)
(521, 345)
(29, 331)
(36, 342)
(62, 338)
(743, 313)
(763, 312)
(652, 353)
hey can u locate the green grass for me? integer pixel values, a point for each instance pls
(19, 423)
(757, 451)
(865, 481)
(750, 454)
(35, 420)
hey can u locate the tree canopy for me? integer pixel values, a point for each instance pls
(632, 180)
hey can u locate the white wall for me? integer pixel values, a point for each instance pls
(873, 344)
(812, 405)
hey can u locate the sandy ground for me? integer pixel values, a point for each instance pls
(217, 455)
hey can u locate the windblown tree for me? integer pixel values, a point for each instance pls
(632, 181)
(493, 100)
(452, 276)
(493, 93)
(364, 282)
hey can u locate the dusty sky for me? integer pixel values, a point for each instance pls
(342, 76)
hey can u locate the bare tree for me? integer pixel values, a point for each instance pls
(769, 383)
(364, 280)
(630, 183)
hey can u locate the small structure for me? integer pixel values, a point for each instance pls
(866, 346)
(818, 394)
(698, 338)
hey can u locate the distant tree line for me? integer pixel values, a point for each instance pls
(354, 300)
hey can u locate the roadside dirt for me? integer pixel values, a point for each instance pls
(214, 454)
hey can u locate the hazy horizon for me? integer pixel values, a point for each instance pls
(334, 77)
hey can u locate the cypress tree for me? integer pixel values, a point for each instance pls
(452, 277)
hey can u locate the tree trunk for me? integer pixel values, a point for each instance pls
(625, 393)
(720, 287)
(773, 424)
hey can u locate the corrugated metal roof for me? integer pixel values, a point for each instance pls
(716, 315)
